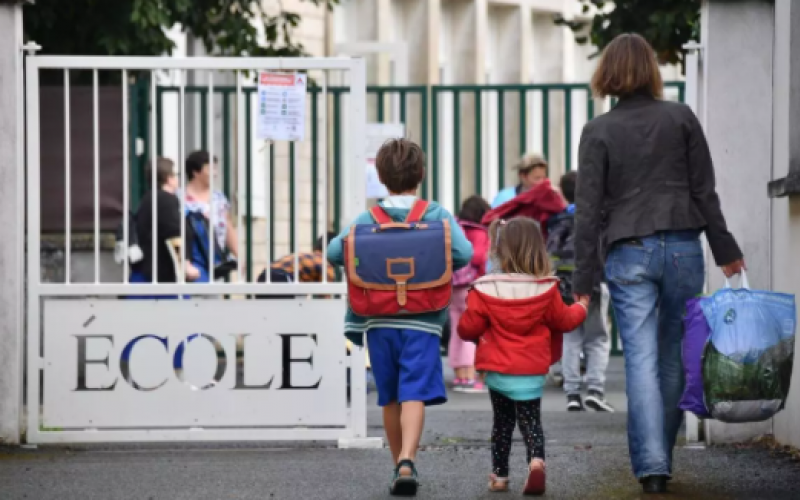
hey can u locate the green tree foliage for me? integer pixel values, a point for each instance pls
(137, 27)
(666, 24)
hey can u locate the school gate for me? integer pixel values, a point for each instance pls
(108, 362)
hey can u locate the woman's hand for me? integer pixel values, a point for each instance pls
(735, 267)
(191, 272)
(583, 299)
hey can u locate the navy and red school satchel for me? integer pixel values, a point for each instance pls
(397, 268)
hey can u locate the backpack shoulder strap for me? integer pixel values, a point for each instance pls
(417, 211)
(380, 215)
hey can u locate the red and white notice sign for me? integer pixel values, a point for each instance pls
(282, 106)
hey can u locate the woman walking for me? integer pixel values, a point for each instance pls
(646, 192)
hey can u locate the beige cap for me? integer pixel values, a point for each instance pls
(529, 161)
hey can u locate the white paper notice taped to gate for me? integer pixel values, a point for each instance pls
(377, 134)
(194, 363)
(282, 106)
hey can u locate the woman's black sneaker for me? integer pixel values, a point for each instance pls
(574, 402)
(654, 484)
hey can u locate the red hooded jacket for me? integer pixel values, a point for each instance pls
(539, 203)
(478, 235)
(518, 322)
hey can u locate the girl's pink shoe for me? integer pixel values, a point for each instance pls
(475, 387)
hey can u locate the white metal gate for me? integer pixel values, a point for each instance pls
(209, 363)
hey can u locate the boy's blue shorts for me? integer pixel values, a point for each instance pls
(407, 366)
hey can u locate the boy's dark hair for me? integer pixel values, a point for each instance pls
(568, 182)
(165, 168)
(473, 209)
(323, 241)
(401, 165)
(195, 163)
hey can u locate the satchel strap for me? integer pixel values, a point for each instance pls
(380, 215)
(417, 211)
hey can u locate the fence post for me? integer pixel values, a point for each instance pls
(12, 172)
(689, 93)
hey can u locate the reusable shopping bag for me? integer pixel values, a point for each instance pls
(747, 363)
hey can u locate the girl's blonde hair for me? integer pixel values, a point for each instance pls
(518, 247)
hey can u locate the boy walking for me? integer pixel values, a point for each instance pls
(591, 338)
(404, 349)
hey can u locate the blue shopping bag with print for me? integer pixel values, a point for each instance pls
(747, 362)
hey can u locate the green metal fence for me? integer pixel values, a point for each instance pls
(536, 116)
(523, 114)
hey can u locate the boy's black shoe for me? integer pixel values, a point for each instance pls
(654, 484)
(574, 402)
(597, 402)
(404, 486)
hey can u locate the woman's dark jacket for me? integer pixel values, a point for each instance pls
(168, 226)
(644, 167)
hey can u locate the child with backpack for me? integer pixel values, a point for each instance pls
(398, 259)
(591, 338)
(461, 354)
(517, 316)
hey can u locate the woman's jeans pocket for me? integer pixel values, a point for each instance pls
(628, 263)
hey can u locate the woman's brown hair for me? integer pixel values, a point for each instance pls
(518, 247)
(628, 66)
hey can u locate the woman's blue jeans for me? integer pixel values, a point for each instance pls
(650, 280)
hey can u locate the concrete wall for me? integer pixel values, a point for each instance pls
(753, 144)
(740, 138)
(786, 211)
(11, 217)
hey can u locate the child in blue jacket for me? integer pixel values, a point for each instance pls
(404, 350)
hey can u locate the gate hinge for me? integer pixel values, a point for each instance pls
(31, 48)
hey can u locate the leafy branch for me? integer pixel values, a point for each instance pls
(667, 24)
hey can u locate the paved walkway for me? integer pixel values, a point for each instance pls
(587, 459)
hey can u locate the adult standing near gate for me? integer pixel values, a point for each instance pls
(646, 191)
(200, 198)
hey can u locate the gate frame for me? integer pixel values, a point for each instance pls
(354, 434)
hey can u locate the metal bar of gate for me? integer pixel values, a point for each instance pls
(182, 172)
(314, 162)
(423, 115)
(96, 132)
(153, 175)
(68, 185)
(125, 180)
(478, 142)
(240, 161)
(147, 63)
(325, 213)
(212, 163)
(501, 134)
(248, 148)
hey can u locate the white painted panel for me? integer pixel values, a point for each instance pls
(290, 369)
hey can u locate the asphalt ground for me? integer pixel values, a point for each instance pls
(587, 459)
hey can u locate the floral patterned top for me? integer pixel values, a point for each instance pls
(220, 205)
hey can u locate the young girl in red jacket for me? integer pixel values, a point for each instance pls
(461, 354)
(517, 317)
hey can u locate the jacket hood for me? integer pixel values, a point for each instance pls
(516, 302)
(398, 214)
